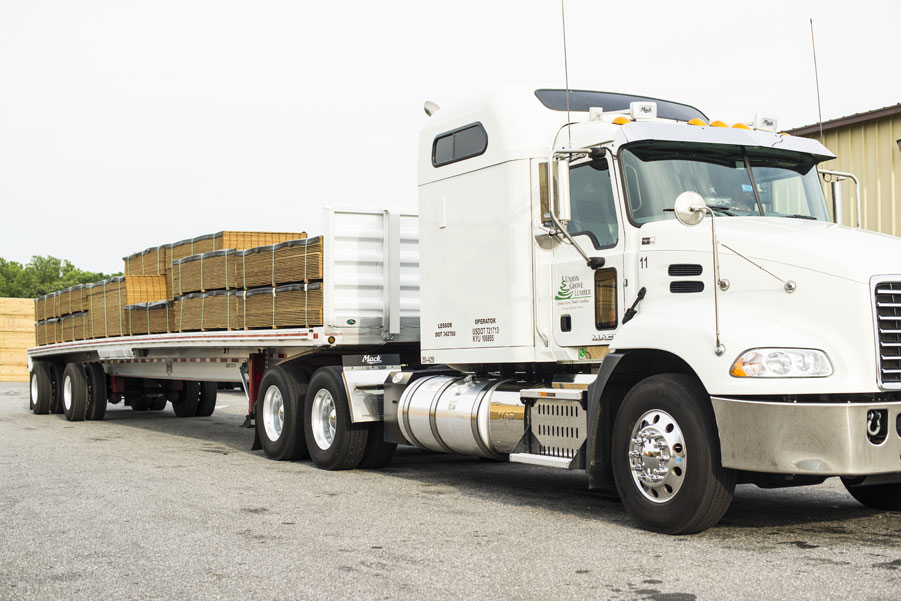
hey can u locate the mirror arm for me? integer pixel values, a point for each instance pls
(550, 202)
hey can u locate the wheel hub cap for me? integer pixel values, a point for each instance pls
(324, 419)
(273, 413)
(657, 456)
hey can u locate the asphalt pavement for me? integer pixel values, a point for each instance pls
(150, 506)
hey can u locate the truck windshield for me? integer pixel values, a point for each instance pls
(734, 180)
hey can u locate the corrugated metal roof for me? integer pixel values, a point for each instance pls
(886, 111)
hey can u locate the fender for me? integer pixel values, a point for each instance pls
(600, 422)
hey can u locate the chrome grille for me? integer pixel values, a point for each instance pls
(888, 332)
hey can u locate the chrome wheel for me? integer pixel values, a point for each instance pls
(657, 456)
(323, 419)
(67, 393)
(273, 413)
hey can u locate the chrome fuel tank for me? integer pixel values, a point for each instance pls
(463, 414)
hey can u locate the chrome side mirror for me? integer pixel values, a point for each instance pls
(563, 206)
(690, 208)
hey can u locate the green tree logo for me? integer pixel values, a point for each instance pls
(564, 293)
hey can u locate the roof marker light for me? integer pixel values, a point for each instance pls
(718, 124)
(621, 120)
(740, 126)
(696, 121)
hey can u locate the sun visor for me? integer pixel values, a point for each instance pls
(673, 132)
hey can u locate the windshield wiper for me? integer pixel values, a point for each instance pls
(810, 217)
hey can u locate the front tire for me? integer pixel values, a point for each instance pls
(74, 392)
(333, 441)
(666, 457)
(278, 414)
(885, 497)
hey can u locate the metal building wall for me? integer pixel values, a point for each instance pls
(870, 151)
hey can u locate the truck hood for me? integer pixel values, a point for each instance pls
(837, 250)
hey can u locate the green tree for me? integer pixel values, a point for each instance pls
(42, 275)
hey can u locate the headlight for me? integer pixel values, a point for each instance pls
(782, 363)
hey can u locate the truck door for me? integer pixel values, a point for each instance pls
(585, 301)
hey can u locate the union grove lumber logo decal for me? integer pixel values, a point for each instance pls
(572, 289)
(564, 293)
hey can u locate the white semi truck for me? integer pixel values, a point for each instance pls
(595, 281)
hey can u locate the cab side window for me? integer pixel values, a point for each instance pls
(593, 208)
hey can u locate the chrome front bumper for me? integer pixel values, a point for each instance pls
(805, 438)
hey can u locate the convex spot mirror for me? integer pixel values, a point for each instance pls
(690, 208)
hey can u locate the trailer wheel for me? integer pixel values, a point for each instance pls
(666, 458)
(41, 390)
(886, 497)
(378, 453)
(278, 414)
(333, 441)
(207, 403)
(188, 397)
(97, 398)
(56, 399)
(75, 392)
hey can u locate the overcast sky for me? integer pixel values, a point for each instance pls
(126, 124)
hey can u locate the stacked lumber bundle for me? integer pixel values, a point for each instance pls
(148, 318)
(16, 335)
(71, 300)
(214, 270)
(287, 306)
(153, 261)
(145, 288)
(215, 310)
(287, 262)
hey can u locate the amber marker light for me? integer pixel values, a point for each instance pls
(740, 126)
(718, 124)
(621, 120)
(331, 340)
(696, 121)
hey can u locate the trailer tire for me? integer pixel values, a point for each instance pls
(207, 403)
(333, 441)
(41, 389)
(279, 414)
(378, 453)
(885, 497)
(74, 392)
(97, 397)
(156, 403)
(666, 424)
(188, 397)
(56, 375)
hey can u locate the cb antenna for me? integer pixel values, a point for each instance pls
(817, 76)
(566, 74)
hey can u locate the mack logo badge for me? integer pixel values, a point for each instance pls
(370, 360)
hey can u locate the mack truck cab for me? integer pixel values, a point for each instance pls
(660, 300)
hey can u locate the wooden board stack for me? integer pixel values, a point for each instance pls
(287, 262)
(16, 335)
(291, 305)
(194, 284)
(215, 310)
(148, 318)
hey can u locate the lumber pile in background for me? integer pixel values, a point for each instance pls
(16, 335)
(222, 281)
